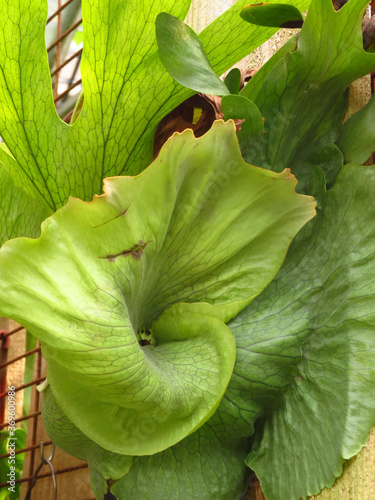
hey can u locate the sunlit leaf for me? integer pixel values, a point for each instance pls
(129, 294)
(273, 15)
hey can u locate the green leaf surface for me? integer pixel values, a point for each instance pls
(127, 91)
(306, 349)
(304, 95)
(357, 136)
(167, 391)
(252, 130)
(183, 56)
(273, 15)
(104, 465)
(233, 80)
(17, 442)
(257, 81)
(204, 465)
(55, 160)
(197, 227)
(230, 38)
(20, 215)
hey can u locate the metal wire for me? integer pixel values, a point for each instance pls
(59, 64)
(18, 358)
(58, 51)
(58, 11)
(21, 419)
(66, 92)
(67, 61)
(44, 461)
(64, 35)
(4, 334)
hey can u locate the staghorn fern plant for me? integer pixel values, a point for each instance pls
(176, 360)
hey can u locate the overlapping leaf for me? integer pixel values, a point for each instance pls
(306, 349)
(205, 465)
(233, 81)
(173, 253)
(55, 160)
(357, 136)
(252, 130)
(127, 92)
(20, 215)
(303, 96)
(104, 465)
(183, 55)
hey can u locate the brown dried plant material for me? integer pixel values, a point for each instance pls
(247, 74)
(254, 491)
(196, 113)
(368, 28)
(337, 4)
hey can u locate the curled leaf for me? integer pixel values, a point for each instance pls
(169, 255)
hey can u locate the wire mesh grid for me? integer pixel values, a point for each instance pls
(35, 431)
(64, 61)
(63, 87)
